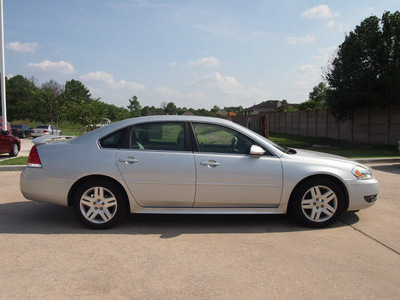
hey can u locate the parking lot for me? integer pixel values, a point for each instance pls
(47, 253)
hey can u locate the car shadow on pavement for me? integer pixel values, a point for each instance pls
(40, 218)
(393, 168)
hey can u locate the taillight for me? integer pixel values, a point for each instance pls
(34, 159)
(45, 131)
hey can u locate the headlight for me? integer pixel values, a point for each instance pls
(361, 173)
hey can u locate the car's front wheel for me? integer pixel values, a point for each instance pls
(14, 150)
(317, 203)
(99, 204)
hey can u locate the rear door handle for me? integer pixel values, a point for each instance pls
(128, 160)
(210, 163)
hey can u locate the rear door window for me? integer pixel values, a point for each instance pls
(159, 136)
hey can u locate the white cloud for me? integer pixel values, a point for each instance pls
(306, 71)
(309, 38)
(108, 79)
(227, 90)
(330, 24)
(212, 89)
(324, 54)
(47, 66)
(319, 12)
(205, 62)
(168, 93)
(305, 78)
(103, 85)
(225, 84)
(22, 47)
(172, 64)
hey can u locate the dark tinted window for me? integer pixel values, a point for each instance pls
(158, 136)
(113, 140)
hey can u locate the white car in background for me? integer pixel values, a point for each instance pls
(45, 129)
(191, 165)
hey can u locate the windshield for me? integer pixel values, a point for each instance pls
(42, 126)
(16, 126)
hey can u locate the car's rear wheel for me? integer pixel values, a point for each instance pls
(317, 203)
(99, 204)
(14, 150)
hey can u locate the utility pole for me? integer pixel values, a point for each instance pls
(3, 68)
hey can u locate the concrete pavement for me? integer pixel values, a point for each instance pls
(46, 253)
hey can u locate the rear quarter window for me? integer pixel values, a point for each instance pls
(114, 140)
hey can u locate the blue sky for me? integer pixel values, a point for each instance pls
(194, 53)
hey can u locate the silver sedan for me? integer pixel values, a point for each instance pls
(45, 129)
(193, 165)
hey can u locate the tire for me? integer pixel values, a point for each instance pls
(100, 204)
(23, 135)
(317, 203)
(14, 150)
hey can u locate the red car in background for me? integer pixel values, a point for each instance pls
(8, 143)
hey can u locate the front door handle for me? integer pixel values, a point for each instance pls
(210, 163)
(128, 160)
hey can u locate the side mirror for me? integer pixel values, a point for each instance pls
(256, 150)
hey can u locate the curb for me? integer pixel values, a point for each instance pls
(13, 168)
(377, 160)
(360, 160)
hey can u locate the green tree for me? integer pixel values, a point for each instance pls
(285, 107)
(20, 97)
(171, 109)
(135, 109)
(215, 109)
(366, 69)
(236, 109)
(50, 102)
(75, 91)
(87, 113)
(115, 113)
(317, 98)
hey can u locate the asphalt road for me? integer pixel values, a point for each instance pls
(46, 253)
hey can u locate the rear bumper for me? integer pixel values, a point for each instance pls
(36, 186)
(39, 134)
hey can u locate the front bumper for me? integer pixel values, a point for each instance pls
(362, 193)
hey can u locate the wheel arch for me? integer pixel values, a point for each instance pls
(322, 176)
(82, 180)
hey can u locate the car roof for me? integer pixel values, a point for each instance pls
(158, 118)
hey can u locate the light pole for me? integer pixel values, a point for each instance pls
(3, 68)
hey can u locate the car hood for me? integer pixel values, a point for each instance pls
(307, 154)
